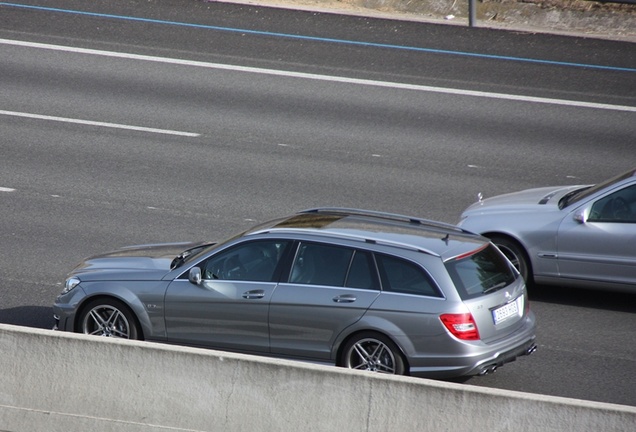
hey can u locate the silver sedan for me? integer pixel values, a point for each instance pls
(581, 236)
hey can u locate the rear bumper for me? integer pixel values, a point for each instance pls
(482, 367)
(479, 358)
(491, 365)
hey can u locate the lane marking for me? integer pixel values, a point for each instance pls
(97, 123)
(6, 189)
(320, 39)
(302, 75)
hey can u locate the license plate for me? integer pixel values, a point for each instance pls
(505, 311)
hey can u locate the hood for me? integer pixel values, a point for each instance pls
(143, 262)
(538, 199)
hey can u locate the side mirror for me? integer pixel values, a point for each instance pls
(195, 276)
(579, 216)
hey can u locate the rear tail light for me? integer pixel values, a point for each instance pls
(462, 326)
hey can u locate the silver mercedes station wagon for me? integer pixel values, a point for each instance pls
(353, 288)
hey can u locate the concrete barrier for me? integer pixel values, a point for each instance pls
(65, 382)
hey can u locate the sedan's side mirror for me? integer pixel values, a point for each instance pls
(579, 216)
(195, 275)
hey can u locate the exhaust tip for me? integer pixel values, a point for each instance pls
(488, 370)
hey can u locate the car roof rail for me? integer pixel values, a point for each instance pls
(343, 236)
(388, 216)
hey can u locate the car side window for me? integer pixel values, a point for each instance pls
(251, 261)
(362, 273)
(405, 277)
(321, 264)
(619, 206)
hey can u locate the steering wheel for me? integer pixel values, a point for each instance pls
(233, 268)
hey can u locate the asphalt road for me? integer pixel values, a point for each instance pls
(191, 120)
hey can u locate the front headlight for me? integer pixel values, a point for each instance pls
(70, 284)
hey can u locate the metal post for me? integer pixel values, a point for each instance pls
(472, 13)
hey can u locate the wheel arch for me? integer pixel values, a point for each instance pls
(357, 332)
(492, 235)
(133, 311)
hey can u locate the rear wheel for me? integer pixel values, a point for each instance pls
(373, 352)
(516, 254)
(109, 318)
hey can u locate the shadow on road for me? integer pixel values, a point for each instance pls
(582, 297)
(28, 316)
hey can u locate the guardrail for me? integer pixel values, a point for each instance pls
(53, 381)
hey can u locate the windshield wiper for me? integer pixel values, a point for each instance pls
(182, 257)
(495, 287)
(565, 201)
(178, 260)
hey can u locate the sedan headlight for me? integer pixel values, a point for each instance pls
(70, 284)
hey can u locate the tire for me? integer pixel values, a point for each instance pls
(373, 352)
(109, 318)
(517, 256)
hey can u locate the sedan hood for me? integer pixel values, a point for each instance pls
(538, 199)
(143, 262)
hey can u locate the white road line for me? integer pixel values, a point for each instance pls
(6, 189)
(502, 96)
(96, 123)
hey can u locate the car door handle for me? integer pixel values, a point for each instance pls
(255, 294)
(346, 298)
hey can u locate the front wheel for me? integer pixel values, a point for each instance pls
(373, 352)
(517, 256)
(109, 318)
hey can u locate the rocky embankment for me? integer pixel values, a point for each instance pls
(606, 20)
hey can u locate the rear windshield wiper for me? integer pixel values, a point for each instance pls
(495, 287)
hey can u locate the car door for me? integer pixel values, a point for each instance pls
(598, 241)
(329, 288)
(229, 308)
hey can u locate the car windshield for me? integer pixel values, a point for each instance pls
(585, 192)
(480, 272)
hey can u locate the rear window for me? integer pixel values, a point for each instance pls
(484, 271)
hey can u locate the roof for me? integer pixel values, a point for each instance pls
(431, 237)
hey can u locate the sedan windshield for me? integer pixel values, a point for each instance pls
(582, 193)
